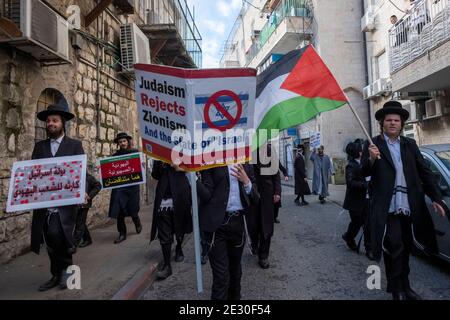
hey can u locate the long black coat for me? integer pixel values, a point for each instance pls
(301, 186)
(213, 190)
(355, 195)
(93, 187)
(420, 181)
(180, 191)
(67, 214)
(125, 199)
(268, 186)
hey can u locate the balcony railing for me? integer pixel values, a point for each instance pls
(176, 12)
(425, 27)
(286, 8)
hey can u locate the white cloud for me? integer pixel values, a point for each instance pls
(226, 7)
(211, 54)
(218, 27)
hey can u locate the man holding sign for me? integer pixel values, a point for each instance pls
(55, 225)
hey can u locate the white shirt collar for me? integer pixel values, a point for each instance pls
(389, 140)
(58, 140)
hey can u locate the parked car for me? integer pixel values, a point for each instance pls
(438, 159)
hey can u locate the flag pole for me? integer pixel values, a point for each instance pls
(358, 118)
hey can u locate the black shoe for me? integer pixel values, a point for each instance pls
(350, 242)
(297, 201)
(412, 295)
(63, 281)
(85, 243)
(204, 259)
(165, 272)
(304, 203)
(121, 238)
(53, 282)
(399, 296)
(276, 220)
(138, 228)
(263, 263)
(179, 256)
(370, 255)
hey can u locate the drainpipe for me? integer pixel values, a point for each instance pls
(97, 66)
(366, 69)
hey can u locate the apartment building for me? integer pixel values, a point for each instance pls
(409, 60)
(266, 29)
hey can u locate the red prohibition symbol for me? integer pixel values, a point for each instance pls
(214, 100)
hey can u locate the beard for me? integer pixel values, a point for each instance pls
(54, 134)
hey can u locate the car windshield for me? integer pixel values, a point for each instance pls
(444, 156)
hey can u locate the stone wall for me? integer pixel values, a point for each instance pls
(22, 79)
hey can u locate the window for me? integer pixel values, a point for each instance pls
(381, 66)
(440, 179)
(48, 96)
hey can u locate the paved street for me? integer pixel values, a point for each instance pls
(308, 260)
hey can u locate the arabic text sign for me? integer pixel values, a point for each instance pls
(122, 171)
(47, 183)
(314, 140)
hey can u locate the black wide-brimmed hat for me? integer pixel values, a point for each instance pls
(55, 109)
(353, 149)
(392, 107)
(122, 135)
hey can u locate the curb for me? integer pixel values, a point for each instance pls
(138, 284)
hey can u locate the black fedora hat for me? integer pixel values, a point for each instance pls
(353, 149)
(392, 107)
(122, 135)
(55, 109)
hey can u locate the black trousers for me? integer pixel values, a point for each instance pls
(121, 225)
(398, 242)
(57, 247)
(359, 219)
(225, 254)
(81, 231)
(166, 227)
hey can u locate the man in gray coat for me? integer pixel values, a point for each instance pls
(323, 169)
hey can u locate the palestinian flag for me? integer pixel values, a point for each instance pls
(294, 90)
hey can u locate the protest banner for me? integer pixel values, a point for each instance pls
(122, 171)
(213, 108)
(47, 183)
(315, 140)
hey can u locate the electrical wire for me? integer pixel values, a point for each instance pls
(397, 7)
(250, 4)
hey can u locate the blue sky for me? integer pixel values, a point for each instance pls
(214, 19)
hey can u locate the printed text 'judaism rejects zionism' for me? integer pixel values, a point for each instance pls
(166, 89)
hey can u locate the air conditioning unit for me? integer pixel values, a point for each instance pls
(412, 96)
(412, 109)
(37, 29)
(381, 86)
(134, 46)
(434, 108)
(367, 92)
(368, 21)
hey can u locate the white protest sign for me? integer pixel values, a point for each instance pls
(210, 104)
(315, 140)
(46, 183)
